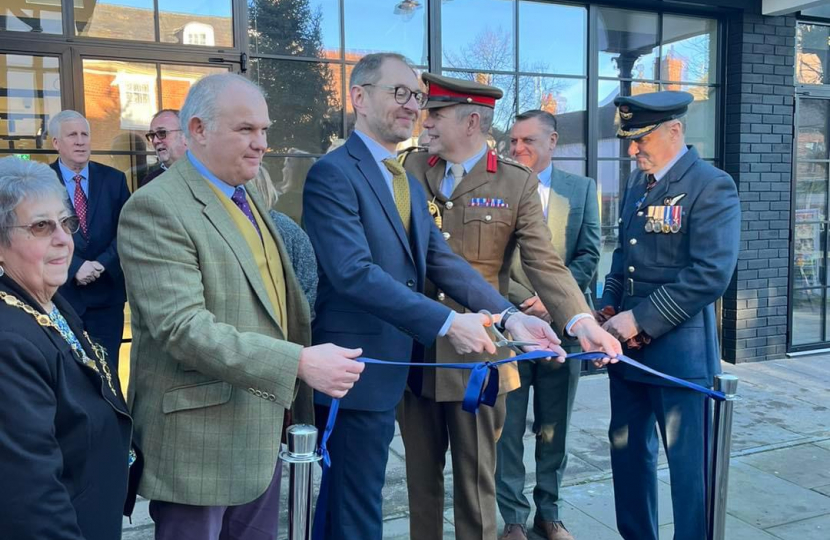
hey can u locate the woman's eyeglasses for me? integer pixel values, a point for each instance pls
(46, 227)
(160, 133)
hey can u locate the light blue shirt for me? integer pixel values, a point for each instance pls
(223, 186)
(379, 153)
(662, 172)
(68, 176)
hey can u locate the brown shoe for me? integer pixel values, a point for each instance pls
(514, 531)
(552, 530)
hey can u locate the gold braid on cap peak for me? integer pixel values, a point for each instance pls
(634, 132)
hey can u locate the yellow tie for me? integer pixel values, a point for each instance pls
(400, 190)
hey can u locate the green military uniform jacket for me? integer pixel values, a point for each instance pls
(487, 236)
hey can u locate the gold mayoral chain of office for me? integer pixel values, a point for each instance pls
(44, 321)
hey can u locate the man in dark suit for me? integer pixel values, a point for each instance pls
(95, 287)
(572, 214)
(679, 232)
(376, 245)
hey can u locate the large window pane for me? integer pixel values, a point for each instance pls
(31, 95)
(570, 166)
(807, 323)
(811, 56)
(811, 191)
(811, 140)
(564, 98)
(206, 23)
(689, 49)
(399, 27)
(43, 17)
(288, 175)
(176, 82)
(295, 27)
(627, 43)
(552, 38)
(134, 167)
(701, 119)
(478, 34)
(304, 102)
(505, 107)
(116, 20)
(809, 239)
(120, 100)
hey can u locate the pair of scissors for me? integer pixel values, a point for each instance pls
(500, 340)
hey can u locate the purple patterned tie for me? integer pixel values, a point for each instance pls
(242, 202)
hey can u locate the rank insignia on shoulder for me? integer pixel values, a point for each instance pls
(486, 202)
(664, 219)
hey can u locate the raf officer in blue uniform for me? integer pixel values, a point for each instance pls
(679, 232)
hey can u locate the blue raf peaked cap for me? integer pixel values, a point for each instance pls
(643, 113)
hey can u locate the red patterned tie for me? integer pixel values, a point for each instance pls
(80, 204)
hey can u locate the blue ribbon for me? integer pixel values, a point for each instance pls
(482, 389)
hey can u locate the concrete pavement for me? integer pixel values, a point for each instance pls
(779, 484)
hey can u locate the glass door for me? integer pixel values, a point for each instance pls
(809, 246)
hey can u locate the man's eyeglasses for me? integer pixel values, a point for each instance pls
(402, 94)
(46, 227)
(160, 133)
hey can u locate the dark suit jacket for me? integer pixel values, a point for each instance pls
(372, 276)
(64, 434)
(670, 281)
(573, 220)
(107, 194)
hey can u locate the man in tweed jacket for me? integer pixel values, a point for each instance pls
(219, 327)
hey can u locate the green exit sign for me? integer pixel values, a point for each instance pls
(23, 156)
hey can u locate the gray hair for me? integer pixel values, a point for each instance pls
(21, 180)
(58, 120)
(367, 70)
(174, 112)
(544, 117)
(202, 98)
(485, 115)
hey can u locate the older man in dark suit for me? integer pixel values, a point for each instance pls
(679, 232)
(95, 287)
(572, 213)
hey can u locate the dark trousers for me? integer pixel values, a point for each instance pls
(679, 414)
(428, 428)
(256, 520)
(554, 389)
(359, 447)
(106, 327)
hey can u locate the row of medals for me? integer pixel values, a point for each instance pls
(660, 225)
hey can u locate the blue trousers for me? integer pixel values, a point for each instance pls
(679, 414)
(359, 447)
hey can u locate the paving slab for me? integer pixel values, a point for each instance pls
(764, 500)
(735, 530)
(824, 490)
(807, 465)
(597, 501)
(817, 528)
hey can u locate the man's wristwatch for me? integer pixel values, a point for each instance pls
(507, 314)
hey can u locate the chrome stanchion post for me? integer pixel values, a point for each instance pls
(721, 448)
(300, 456)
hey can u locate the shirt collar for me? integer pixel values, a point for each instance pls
(379, 153)
(68, 174)
(223, 186)
(469, 164)
(662, 172)
(545, 175)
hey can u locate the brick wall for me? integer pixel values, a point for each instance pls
(759, 136)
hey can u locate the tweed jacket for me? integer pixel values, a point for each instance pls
(487, 236)
(211, 371)
(573, 220)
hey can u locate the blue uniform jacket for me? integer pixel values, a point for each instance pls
(372, 277)
(670, 281)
